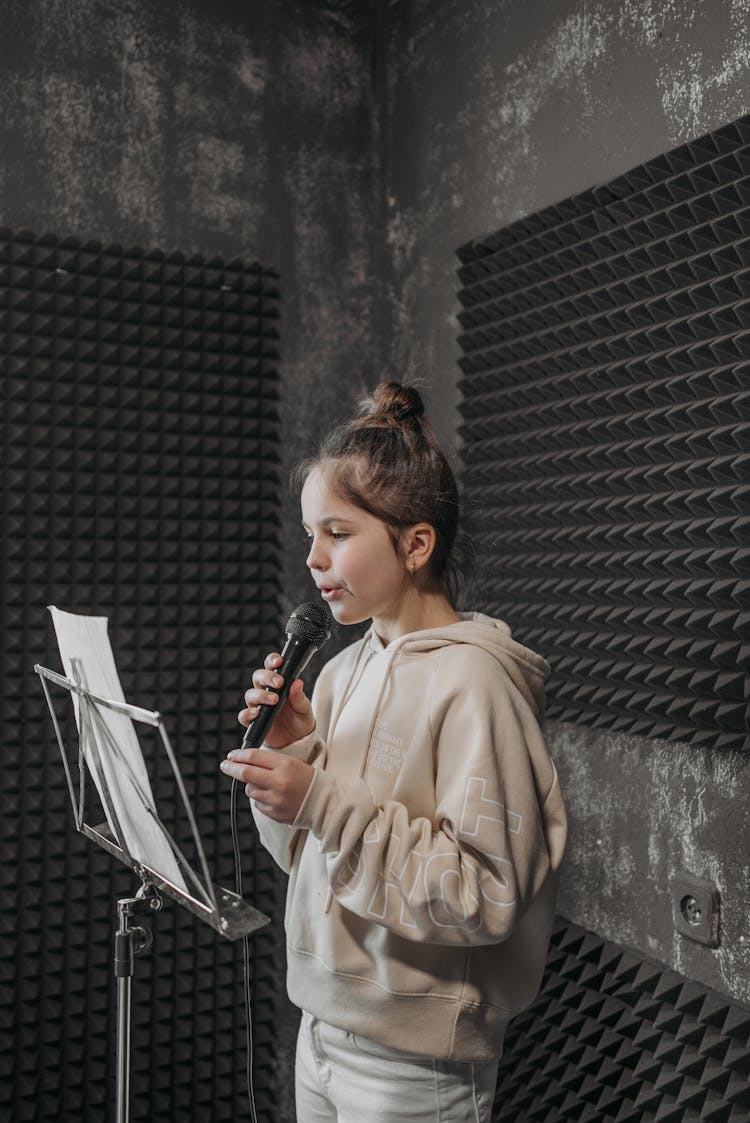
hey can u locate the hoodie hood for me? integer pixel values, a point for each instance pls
(528, 670)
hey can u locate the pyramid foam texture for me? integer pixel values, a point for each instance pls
(606, 441)
(140, 443)
(614, 1038)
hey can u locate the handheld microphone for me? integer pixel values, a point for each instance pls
(307, 630)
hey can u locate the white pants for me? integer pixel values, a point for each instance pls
(344, 1078)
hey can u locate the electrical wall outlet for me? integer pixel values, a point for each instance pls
(696, 909)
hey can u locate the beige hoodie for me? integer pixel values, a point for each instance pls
(424, 860)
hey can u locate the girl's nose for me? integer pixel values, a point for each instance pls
(316, 558)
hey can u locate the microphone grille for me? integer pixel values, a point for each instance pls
(310, 621)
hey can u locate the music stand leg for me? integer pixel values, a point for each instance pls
(123, 1050)
(129, 942)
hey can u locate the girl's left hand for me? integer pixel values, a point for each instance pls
(276, 784)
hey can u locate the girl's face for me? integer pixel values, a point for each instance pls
(352, 557)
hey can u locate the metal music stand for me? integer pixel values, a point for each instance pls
(223, 910)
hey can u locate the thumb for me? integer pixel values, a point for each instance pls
(296, 696)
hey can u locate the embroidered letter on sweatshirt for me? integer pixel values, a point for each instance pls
(451, 899)
(401, 882)
(477, 808)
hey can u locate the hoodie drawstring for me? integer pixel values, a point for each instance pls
(376, 710)
(348, 689)
(351, 685)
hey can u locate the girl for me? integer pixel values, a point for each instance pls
(412, 800)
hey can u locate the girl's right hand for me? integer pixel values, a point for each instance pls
(294, 720)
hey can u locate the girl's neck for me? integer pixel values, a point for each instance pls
(417, 611)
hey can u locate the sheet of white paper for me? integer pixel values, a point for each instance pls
(116, 758)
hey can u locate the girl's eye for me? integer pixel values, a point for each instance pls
(338, 535)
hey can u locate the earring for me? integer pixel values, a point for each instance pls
(411, 569)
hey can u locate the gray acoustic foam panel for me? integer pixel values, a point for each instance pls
(614, 1038)
(606, 441)
(140, 444)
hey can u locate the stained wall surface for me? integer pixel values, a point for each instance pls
(493, 111)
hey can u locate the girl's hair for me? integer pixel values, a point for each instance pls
(389, 463)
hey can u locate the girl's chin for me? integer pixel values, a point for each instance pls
(344, 613)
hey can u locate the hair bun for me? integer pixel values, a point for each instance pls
(394, 401)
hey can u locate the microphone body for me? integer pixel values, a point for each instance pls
(308, 629)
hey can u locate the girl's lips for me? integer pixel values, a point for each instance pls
(330, 593)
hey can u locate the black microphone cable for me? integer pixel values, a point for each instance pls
(246, 990)
(307, 629)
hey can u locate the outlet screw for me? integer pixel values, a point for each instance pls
(690, 909)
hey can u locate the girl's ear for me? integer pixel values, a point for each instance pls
(419, 544)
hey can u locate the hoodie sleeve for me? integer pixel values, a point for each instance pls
(468, 875)
(279, 839)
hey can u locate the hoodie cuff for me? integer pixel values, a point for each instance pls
(305, 749)
(336, 815)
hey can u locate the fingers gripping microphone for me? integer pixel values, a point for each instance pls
(307, 630)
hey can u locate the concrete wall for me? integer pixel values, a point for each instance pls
(494, 110)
